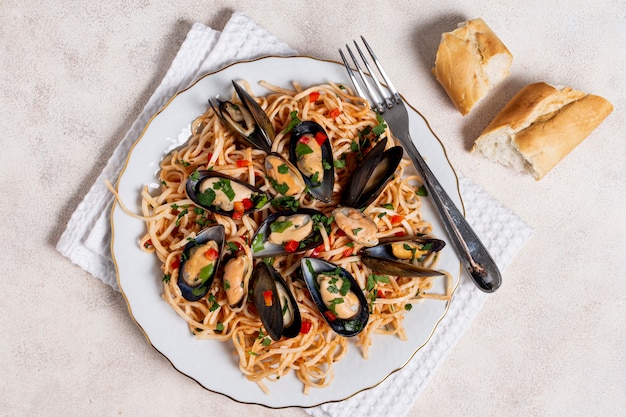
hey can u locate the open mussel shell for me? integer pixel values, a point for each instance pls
(276, 306)
(374, 172)
(266, 242)
(382, 260)
(249, 121)
(200, 262)
(319, 174)
(312, 269)
(217, 193)
(283, 175)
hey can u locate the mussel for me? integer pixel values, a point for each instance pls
(400, 256)
(356, 225)
(311, 152)
(337, 295)
(249, 120)
(224, 195)
(283, 176)
(199, 262)
(237, 271)
(286, 232)
(276, 306)
(370, 177)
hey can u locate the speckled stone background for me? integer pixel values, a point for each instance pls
(75, 75)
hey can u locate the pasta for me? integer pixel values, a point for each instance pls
(172, 219)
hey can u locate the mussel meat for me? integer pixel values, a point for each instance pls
(311, 152)
(286, 232)
(199, 262)
(224, 195)
(337, 295)
(374, 172)
(248, 120)
(276, 306)
(283, 176)
(356, 225)
(401, 256)
(237, 271)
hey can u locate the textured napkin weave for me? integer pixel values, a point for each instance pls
(86, 240)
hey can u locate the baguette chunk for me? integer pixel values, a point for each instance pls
(470, 61)
(539, 126)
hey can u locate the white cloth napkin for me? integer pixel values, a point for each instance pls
(86, 240)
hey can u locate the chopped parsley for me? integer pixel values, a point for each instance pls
(421, 191)
(288, 202)
(207, 197)
(257, 243)
(224, 185)
(294, 121)
(302, 149)
(283, 168)
(195, 176)
(280, 227)
(356, 231)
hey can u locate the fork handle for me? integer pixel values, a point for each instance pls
(473, 255)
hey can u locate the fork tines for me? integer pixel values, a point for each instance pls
(379, 97)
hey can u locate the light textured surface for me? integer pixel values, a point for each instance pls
(87, 238)
(76, 76)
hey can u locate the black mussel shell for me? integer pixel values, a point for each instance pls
(259, 136)
(311, 268)
(381, 260)
(263, 248)
(265, 278)
(321, 190)
(194, 184)
(196, 292)
(370, 177)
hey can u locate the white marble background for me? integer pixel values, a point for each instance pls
(75, 75)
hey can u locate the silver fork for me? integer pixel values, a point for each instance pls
(387, 101)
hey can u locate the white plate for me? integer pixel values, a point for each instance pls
(212, 363)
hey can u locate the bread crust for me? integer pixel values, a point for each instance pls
(545, 123)
(462, 59)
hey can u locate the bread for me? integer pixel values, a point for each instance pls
(470, 61)
(539, 126)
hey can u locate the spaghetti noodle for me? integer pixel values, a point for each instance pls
(172, 219)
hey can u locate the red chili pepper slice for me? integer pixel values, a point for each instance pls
(212, 254)
(400, 233)
(238, 210)
(291, 246)
(379, 294)
(267, 297)
(314, 96)
(317, 250)
(396, 219)
(243, 163)
(347, 252)
(175, 263)
(320, 138)
(334, 113)
(306, 327)
(148, 244)
(304, 139)
(247, 204)
(329, 315)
